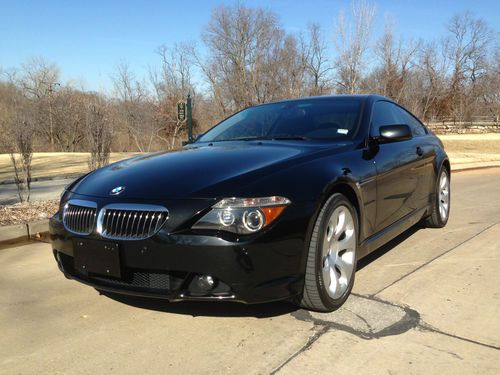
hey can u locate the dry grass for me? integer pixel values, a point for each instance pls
(472, 148)
(52, 164)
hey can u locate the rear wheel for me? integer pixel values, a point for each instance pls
(331, 261)
(441, 207)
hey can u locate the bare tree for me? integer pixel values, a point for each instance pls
(352, 42)
(175, 71)
(172, 82)
(135, 109)
(21, 155)
(489, 86)
(70, 109)
(467, 47)
(316, 61)
(99, 135)
(10, 97)
(38, 79)
(244, 44)
(396, 62)
(431, 77)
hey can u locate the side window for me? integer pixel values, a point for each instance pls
(416, 127)
(384, 113)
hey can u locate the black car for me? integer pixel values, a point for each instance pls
(277, 202)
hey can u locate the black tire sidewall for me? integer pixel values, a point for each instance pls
(336, 201)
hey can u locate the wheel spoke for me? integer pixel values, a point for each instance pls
(345, 262)
(327, 266)
(339, 228)
(326, 245)
(334, 286)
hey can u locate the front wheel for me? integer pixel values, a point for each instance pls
(331, 261)
(440, 211)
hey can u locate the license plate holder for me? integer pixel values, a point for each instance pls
(92, 256)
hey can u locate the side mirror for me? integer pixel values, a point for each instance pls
(394, 133)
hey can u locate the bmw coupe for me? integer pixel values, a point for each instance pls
(276, 202)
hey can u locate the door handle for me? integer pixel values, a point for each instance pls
(420, 152)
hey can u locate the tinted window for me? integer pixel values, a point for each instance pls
(384, 113)
(325, 118)
(415, 126)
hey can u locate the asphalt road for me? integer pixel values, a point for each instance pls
(40, 190)
(427, 303)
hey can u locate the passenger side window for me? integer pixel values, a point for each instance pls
(384, 113)
(416, 127)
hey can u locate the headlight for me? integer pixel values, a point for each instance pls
(243, 215)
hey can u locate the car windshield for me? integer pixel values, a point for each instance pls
(308, 119)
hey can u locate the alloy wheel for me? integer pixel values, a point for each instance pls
(339, 252)
(444, 195)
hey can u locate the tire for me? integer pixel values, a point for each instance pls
(440, 210)
(331, 261)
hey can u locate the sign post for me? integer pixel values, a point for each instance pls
(189, 119)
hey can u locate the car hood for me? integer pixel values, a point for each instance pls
(195, 172)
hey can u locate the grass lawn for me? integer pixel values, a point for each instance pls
(462, 148)
(470, 148)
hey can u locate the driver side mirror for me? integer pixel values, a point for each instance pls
(394, 133)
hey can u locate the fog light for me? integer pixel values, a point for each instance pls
(206, 282)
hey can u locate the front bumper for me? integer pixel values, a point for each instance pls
(267, 268)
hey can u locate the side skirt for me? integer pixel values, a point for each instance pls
(385, 235)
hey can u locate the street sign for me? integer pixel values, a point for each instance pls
(181, 111)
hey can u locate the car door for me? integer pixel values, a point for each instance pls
(426, 152)
(397, 165)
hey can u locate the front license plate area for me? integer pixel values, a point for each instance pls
(99, 257)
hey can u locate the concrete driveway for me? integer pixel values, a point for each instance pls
(40, 190)
(429, 302)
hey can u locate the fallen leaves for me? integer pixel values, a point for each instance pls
(21, 213)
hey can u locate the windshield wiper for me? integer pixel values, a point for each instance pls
(237, 139)
(276, 137)
(287, 136)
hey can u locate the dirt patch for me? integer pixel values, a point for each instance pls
(22, 213)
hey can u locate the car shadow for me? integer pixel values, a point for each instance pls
(203, 308)
(387, 247)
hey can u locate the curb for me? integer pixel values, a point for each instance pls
(45, 178)
(18, 232)
(474, 166)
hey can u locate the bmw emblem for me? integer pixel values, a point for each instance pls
(117, 190)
